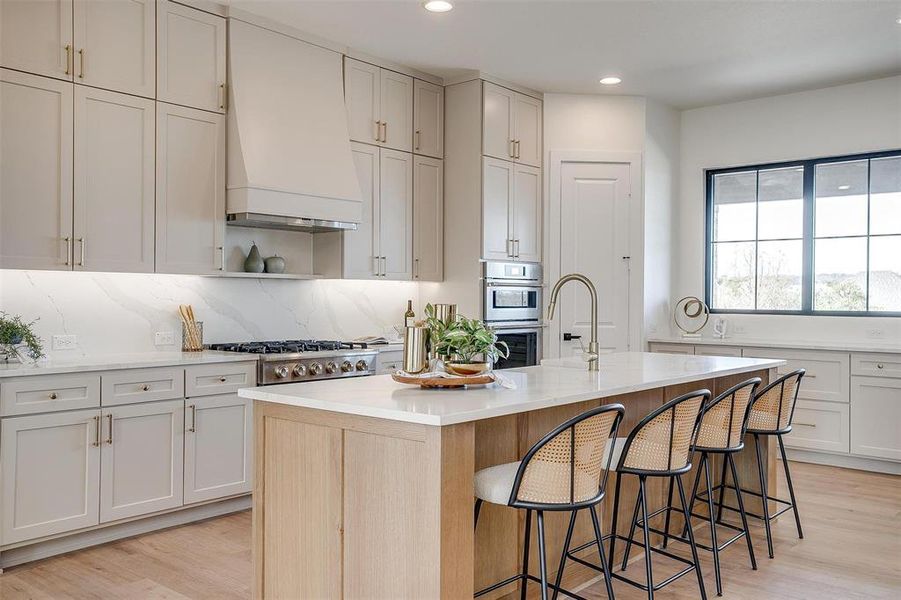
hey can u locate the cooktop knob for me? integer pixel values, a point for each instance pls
(347, 366)
(331, 368)
(300, 370)
(315, 368)
(362, 365)
(281, 372)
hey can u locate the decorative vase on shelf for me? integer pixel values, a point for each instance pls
(254, 261)
(275, 264)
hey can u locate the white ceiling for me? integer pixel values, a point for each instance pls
(686, 53)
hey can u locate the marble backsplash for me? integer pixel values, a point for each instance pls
(114, 312)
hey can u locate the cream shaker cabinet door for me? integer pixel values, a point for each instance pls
(36, 172)
(361, 249)
(51, 474)
(396, 214)
(190, 202)
(497, 121)
(428, 217)
(526, 244)
(190, 57)
(362, 90)
(115, 45)
(141, 459)
(396, 108)
(36, 36)
(527, 130)
(114, 181)
(428, 119)
(497, 207)
(876, 417)
(218, 447)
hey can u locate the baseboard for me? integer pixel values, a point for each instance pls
(102, 535)
(845, 461)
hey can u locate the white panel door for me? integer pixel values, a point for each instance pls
(594, 238)
(396, 109)
(526, 213)
(428, 119)
(876, 417)
(497, 209)
(142, 459)
(396, 214)
(36, 36)
(115, 45)
(218, 447)
(51, 474)
(497, 121)
(428, 215)
(361, 249)
(114, 173)
(190, 202)
(36, 172)
(527, 129)
(190, 57)
(362, 90)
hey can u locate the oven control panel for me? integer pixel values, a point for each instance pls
(313, 369)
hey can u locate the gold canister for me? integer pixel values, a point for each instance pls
(415, 349)
(446, 313)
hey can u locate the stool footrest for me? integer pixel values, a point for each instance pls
(703, 495)
(530, 577)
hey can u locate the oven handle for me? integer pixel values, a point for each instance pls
(524, 285)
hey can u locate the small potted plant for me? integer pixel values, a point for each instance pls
(17, 339)
(471, 347)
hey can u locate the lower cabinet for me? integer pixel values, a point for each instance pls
(218, 447)
(141, 459)
(818, 425)
(50, 480)
(876, 417)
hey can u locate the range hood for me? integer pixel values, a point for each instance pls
(289, 158)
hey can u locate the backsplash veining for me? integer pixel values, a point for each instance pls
(112, 312)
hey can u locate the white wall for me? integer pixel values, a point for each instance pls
(119, 313)
(846, 119)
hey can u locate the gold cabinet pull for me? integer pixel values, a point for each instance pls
(418, 139)
(109, 420)
(511, 150)
(81, 63)
(223, 96)
(807, 425)
(81, 259)
(516, 153)
(96, 442)
(68, 59)
(68, 241)
(416, 268)
(384, 266)
(193, 426)
(221, 250)
(384, 131)
(378, 131)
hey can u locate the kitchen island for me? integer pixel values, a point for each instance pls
(363, 487)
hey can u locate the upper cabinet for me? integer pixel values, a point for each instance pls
(361, 254)
(379, 105)
(428, 119)
(511, 211)
(428, 217)
(36, 36)
(511, 125)
(190, 57)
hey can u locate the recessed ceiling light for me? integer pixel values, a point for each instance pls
(844, 187)
(438, 6)
(611, 80)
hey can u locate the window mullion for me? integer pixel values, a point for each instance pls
(807, 245)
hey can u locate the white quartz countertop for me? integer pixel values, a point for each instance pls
(874, 346)
(113, 362)
(555, 382)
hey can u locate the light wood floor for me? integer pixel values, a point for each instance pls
(851, 549)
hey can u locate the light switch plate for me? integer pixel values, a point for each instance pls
(64, 342)
(875, 334)
(164, 338)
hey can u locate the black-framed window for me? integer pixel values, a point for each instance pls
(820, 236)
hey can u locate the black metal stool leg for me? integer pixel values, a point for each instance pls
(478, 507)
(691, 539)
(669, 503)
(633, 526)
(719, 510)
(569, 537)
(791, 488)
(741, 510)
(694, 494)
(647, 537)
(600, 539)
(761, 470)
(542, 554)
(619, 479)
(713, 545)
(525, 555)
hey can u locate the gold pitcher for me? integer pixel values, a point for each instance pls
(416, 358)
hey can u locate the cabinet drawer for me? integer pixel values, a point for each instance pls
(205, 380)
(142, 385)
(48, 393)
(714, 350)
(672, 348)
(877, 365)
(820, 426)
(876, 412)
(828, 373)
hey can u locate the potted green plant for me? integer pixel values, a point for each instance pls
(17, 339)
(471, 347)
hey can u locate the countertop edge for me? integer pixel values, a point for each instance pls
(128, 361)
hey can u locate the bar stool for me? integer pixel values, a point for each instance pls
(722, 431)
(565, 471)
(659, 447)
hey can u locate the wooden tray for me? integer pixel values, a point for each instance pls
(444, 382)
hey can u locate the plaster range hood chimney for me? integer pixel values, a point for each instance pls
(289, 158)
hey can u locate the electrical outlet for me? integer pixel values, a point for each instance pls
(738, 329)
(875, 334)
(64, 342)
(164, 338)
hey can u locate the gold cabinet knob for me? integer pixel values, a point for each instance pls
(53, 395)
(145, 388)
(223, 379)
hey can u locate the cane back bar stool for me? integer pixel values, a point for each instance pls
(771, 414)
(722, 431)
(565, 471)
(659, 446)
